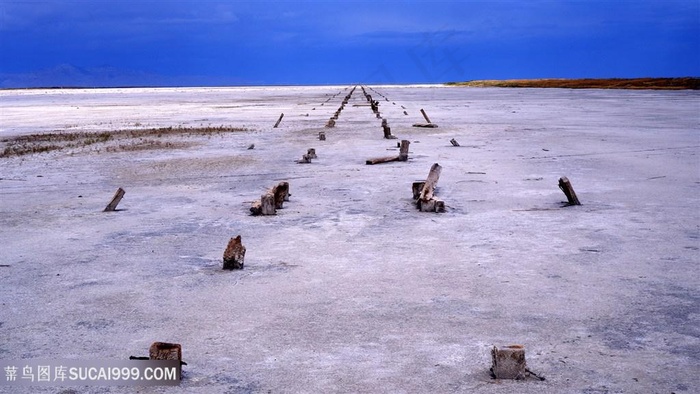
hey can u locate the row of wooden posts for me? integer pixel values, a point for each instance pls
(422, 191)
(507, 362)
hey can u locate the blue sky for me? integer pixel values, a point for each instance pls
(214, 43)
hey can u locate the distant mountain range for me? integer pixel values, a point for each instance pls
(71, 76)
(67, 75)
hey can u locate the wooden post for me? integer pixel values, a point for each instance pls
(322, 135)
(566, 187)
(387, 133)
(305, 159)
(266, 205)
(508, 362)
(115, 200)
(281, 193)
(425, 116)
(454, 142)
(431, 182)
(403, 150)
(279, 120)
(312, 153)
(426, 202)
(234, 255)
(267, 202)
(331, 123)
(165, 351)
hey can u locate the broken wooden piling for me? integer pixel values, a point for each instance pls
(403, 150)
(425, 116)
(322, 135)
(112, 206)
(387, 130)
(454, 142)
(278, 121)
(234, 255)
(508, 362)
(568, 190)
(429, 124)
(165, 351)
(426, 201)
(272, 200)
(403, 155)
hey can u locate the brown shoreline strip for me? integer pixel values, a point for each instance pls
(692, 83)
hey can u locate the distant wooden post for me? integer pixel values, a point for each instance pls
(279, 120)
(425, 116)
(403, 150)
(305, 159)
(312, 153)
(566, 187)
(454, 142)
(165, 351)
(322, 135)
(387, 130)
(330, 123)
(508, 362)
(115, 200)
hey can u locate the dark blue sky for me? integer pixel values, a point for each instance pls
(200, 42)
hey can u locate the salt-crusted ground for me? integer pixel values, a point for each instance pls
(349, 288)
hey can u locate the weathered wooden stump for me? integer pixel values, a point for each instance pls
(568, 190)
(311, 152)
(508, 362)
(281, 193)
(234, 255)
(251, 146)
(115, 200)
(165, 351)
(454, 142)
(279, 120)
(426, 201)
(387, 130)
(405, 113)
(330, 123)
(305, 159)
(266, 205)
(322, 135)
(403, 150)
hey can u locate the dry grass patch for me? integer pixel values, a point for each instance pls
(122, 140)
(589, 83)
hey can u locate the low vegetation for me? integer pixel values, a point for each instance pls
(612, 83)
(113, 141)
